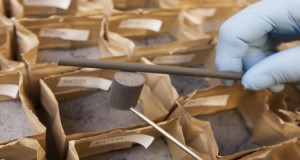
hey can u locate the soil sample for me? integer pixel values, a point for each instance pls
(13, 121)
(92, 112)
(230, 131)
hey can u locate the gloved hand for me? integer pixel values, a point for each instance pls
(247, 42)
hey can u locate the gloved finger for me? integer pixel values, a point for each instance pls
(234, 38)
(228, 82)
(253, 56)
(278, 68)
(231, 52)
(277, 88)
(252, 25)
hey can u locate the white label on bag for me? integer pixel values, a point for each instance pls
(150, 24)
(220, 100)
(174, 59)
(144, 140)
(65, 33)
(10, 90)
(83, 81)
(62, 4)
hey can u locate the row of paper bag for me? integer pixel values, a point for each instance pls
(272, 117)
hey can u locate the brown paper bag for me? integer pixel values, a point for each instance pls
(29, 8)
(210, 24)
(87, 7)
(161, 86)
(288, 150)
(5, 43)
(200, 3)
(12, 88)
(270, 125)
(292, 100)
(60, 92)
(213, 99)
(24, 148)
(30, 45)
(124, 139)
(6, 38)
(153, 26)
(134, 4)
(197, 135)
(9, 66)
(261, 110)
(6, 22)
(167, 18)
(7, 8)
(56, 32)
(2, 8)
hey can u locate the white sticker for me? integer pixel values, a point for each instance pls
(150, 24)
(174, 59)
(220, 100)
(62, 4)
(84, 81)
(65, 33)
(10, 90)
(144, 140)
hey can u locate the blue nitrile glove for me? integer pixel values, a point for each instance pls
(247, 42)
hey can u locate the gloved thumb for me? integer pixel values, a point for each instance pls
(281, 67)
